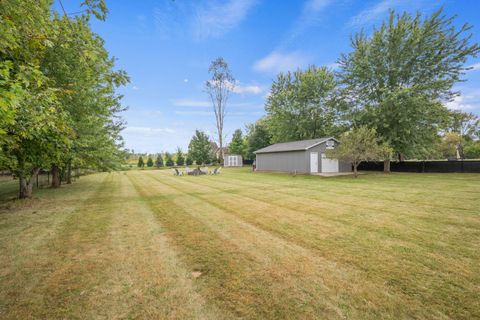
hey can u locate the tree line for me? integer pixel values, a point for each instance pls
(58, 102)
(395, 82)
(201, 150)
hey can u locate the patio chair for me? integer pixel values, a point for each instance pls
(177, 173)
(204, 170)
(216, 171)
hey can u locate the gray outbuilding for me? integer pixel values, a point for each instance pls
(305, 156)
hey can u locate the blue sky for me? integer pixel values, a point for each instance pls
(166, 47)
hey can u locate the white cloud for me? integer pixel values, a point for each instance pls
(192, 103)
(187, 102)
(316, 5)
(211, 113)
(185, 80)
(155, 139)
(246, 89)
(135, 88)
(380, 9)
(147, 131)
(372, 13)
(475, 66)
(280, 62)
(218, 18)
(310, 15)
(195, 113)
(465, 102)
(165, 21)
(333, 66)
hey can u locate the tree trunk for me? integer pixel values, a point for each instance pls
(355, 172)
(220, 142)
(26, 185)
(386, 166)
(56, 179)
(69, 172)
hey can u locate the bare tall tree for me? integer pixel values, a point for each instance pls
(218, 88)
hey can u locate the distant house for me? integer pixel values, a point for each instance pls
(216, 150)
(306, 156)
(233, 160)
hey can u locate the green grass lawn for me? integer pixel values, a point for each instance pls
(146, 244)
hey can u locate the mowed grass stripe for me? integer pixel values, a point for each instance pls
(342, 281)
(147, 279)
(42, 275)
(243, 245)
(333, 216)
(239, 263)
(395, 186)
(364, 187)
(417, 218)
(432, 268)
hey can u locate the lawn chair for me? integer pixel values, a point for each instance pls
(189, 171)
(204, 170)
(216, 171)
(177, 173)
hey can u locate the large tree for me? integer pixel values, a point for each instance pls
(397, 79)
(57, 92)
(301, 105)
(218, 88)
(462, 129)
(258, 137)
(84, 74)
(237, 145)
(34, 128)
(200, 148)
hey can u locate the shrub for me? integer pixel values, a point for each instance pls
(140, 163)
(149, 162)
(169, 160)
(159, 161)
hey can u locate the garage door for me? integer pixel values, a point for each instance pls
(329, 165)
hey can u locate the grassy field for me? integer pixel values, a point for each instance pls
(146, 244)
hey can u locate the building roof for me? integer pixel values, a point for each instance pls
(294, 145)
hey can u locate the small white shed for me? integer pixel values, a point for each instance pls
(233, 160)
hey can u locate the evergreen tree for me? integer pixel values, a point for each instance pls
(159, 161)
(258, 137)
(200, 148)
(180, 157)
(140, 163)
(169, 160)
(149, 162)
(237, 145)
(189, 161)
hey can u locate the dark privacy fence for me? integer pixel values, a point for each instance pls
(472, 166)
